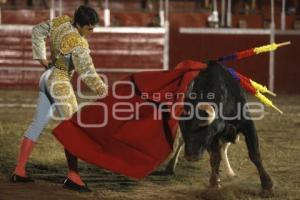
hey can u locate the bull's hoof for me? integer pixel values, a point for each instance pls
(170, 169)
(163, 173)
(215, 182)
(169, 172)
(268, 187)
(267, 193)
(215, 186)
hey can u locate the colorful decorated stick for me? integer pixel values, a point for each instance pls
(267, 101)
(254, 88)
(252, 51)
(261, 88)
(249, 85)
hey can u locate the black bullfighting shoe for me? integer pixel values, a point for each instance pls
(68, 184)
(20, 179)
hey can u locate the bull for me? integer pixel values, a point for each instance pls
(215, 123)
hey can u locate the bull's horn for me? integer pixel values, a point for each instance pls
(210, 111)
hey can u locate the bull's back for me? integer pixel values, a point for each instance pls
(227, 91)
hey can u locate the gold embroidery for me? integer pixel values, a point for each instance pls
(72, 40)
(56, 36)
(60, 20)
(60, 63)
(59, 75)
(62, 93)
(66, 44)
(64, 62)
(83, 64)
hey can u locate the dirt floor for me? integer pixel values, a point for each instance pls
(279, 144)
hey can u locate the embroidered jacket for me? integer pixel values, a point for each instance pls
(69, 52)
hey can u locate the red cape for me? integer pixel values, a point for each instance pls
(139, 144)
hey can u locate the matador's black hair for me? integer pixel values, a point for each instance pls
(85, 15)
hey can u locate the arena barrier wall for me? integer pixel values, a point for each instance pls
(115, 51)
(120, 51)
(205, 44)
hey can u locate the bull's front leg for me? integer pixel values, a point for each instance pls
(215, 160)
(250, 133)
(224, 153)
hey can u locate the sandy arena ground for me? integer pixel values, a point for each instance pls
(279, 143)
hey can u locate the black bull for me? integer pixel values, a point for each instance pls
(217, 89)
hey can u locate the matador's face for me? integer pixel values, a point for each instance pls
(85, 30)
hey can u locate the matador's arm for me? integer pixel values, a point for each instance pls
(39, 34)
(83, 65)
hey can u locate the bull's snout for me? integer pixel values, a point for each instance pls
(194, 157)
(191, 158)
